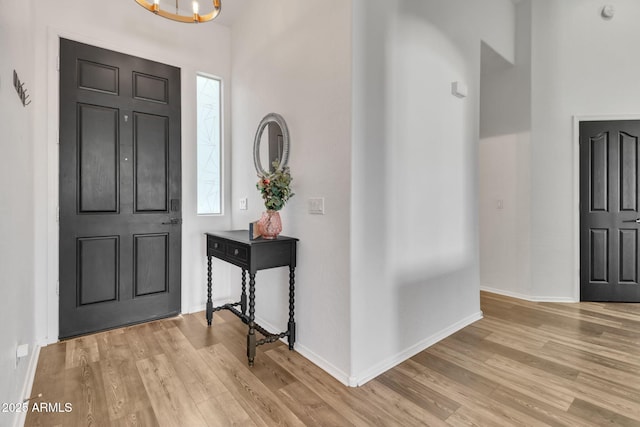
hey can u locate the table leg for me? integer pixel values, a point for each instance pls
(243, 296)
(251, 337)
(209, 300)
(292, 323)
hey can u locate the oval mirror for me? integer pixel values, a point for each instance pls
(271, 144)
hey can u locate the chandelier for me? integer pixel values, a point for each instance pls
(194, 18)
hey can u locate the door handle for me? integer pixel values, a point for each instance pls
(173, 221)
(637, 220)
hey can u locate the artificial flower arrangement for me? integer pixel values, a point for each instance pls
(275, 187)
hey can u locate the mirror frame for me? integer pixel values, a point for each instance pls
(279, 120)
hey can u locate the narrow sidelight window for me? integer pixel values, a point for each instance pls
(209, 145)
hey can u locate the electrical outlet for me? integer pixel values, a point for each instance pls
(21, 351)
(316, 205)
(244, 204)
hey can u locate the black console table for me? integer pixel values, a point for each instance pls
(252, 255)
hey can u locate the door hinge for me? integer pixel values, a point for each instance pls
(58, 287)
(57, 213)
(57, 63)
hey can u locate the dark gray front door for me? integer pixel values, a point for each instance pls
(609, 211)
(120, 189)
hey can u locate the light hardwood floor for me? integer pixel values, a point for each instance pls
(524, 364)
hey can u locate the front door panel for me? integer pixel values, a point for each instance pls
(119, 189)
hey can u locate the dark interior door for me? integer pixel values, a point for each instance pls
(120, 189)
(609, 214)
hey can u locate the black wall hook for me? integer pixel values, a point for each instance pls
(20, 89)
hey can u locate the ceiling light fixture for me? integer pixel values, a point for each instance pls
(194, 18)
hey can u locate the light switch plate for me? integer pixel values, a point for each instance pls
(316, 205)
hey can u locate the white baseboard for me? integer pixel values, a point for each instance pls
(311, 356)
(20, 417)
(526, 297)
(412, 351)
(351, 381)
(323, 364)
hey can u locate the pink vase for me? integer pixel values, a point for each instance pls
(270, 224)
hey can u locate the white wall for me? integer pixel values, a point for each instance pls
(293, 57)
(572, 64)
(505, 156)
(125, 27)
(582, 65)
(504, 215)
(414, 233)
(505, 92)
(16, 208)
(393, 265)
